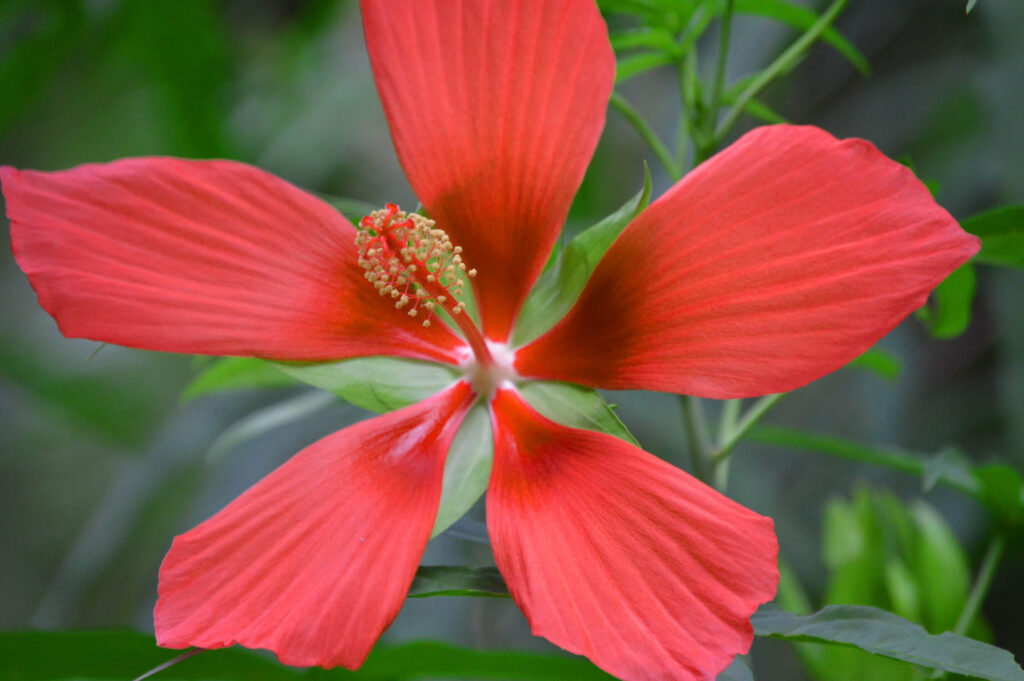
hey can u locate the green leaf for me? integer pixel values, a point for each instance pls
(627, 67)
(940, 569)
(844, 538)
(997, 486)
(782, 64)
(754, 107)
(575, 406)
(970, 6)
(802, 19)
(1002, 236)
(454, 580)
(880, 554)
(120, 655)
(428, 659)
(236, 373)
(883, 633)
(467, 469)
(759, 109)
(951, 467)
(561, 284)
(879, 362)
(655, 38)
(949, 313)
(1003, 491)
(380, 384)
(901, 587)
(651, 11)
(912, 463)
(267, 419)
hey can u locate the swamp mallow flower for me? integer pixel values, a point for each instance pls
(777, 261)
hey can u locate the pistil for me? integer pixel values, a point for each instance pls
(408, 258)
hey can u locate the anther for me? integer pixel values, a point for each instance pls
(407, 257)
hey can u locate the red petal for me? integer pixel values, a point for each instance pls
(495, 109)
(616, 555)
(314, 561)
(774, 263)
(211, 257)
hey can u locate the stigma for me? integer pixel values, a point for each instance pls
(408, 258)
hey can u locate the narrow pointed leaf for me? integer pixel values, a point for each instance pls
(656, 38)
(1002, 236)
(940, 567)
(236, 373)
(912, 463)
(267, 419)
(948, 466)
(802, 19)
(1003, 491)
(380, 384)
(636, 64)
(879, 362)
(883, 633)
(560, 285)
(467, 468)
(949, 313)
(759, 109)
(575, 406)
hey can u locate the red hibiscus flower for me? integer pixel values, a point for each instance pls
(775, 262)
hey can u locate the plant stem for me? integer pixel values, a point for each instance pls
(981, 583)
(747, 422)
(647, 134)
(697, 437)
(715, 100)
(782, 63)
(686, 132)
(727, 422)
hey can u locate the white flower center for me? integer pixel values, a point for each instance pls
(487, 378)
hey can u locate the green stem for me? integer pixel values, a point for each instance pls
(981, 583)
(747, 422)
(779, 66)
(720, 476)
(910, 463)
(715, 100)
(697, 437)
(686, 131)
(647, 134)
(686, 66)
(730, 414)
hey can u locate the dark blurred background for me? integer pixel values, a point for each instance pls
(101, 463)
